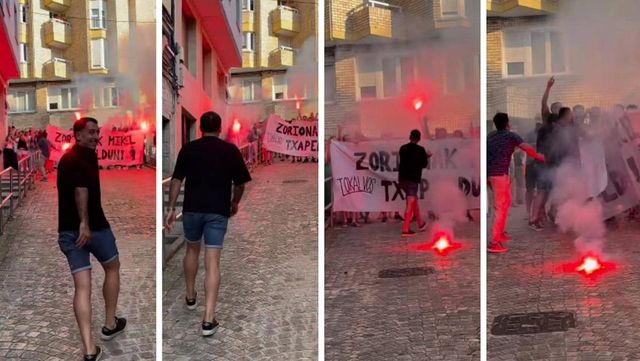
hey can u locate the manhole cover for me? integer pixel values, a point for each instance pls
(538, 322)
(295, 181)
(405, 272)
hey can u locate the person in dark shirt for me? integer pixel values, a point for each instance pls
(83, 229)
(413, 158)
(531, 168)
(211, 168)
(501, 144)
(44, 145)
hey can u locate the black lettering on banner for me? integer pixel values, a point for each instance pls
(120, 140)
(448, 156)
(615, 188)
(374, 161)
(397, 157)
(61, 137)
(384, 162)
(356, 184)
(386, 184)
(361, 156)
(279, 128)
(398, 193)
(424, 187)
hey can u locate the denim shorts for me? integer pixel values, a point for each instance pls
(102, 245)
(410, 188)
(210, 225)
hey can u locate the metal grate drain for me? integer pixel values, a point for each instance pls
(538, 322)
(405, 272)
(292, 181)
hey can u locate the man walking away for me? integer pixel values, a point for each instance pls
(413, 158)
(500, 146)
(211, 167)
(83, 229)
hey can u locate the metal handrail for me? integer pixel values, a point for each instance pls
(26, 174)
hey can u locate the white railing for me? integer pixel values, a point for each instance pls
(380, 4)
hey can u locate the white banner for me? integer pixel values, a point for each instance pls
(114, 147)
(298, 138)
(365, 174)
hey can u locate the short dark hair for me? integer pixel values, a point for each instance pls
(414, 135)
(81, 123)
(210, 122)
(563, 111)
(552, 118)
(500, 120)
(632, 107)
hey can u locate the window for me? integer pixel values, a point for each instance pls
(63, 98)
(251, 90)
(247, 5)
(529, 53)
(279, 87)
(98, 54)
(248, 41)
(386, 77)
(107, 97)
(24, 53)
(23, 14)
(98, 14)
(452, 8)
(330, 82)
(21, 100)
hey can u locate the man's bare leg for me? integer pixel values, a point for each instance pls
(82, 308)
(190, 263)
(211, 281)
(408, 213)
(110, 292)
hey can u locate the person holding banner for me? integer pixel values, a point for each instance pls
(211, 167)
(501, 144)
(83, 230)
(413, 158)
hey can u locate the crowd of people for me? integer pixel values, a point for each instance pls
(554, 141)
(252, 139)
(20, 144)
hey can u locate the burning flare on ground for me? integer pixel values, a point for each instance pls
(589, 265)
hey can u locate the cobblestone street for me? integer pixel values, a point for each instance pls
(534, 277)
(429, 317)
(267, 307)
(36, 287)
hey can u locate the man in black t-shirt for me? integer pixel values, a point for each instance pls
(211, 167)
(413, 158)
(83, 229)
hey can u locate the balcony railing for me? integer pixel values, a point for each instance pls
(57, 5)
(57, 68)
(285, 21)
(281, 56)
(57, 34)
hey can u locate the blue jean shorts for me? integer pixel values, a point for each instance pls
(211, 226)
(102, 245)
(410, 188)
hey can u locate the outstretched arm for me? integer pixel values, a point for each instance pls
(527, 148)
(545, 99)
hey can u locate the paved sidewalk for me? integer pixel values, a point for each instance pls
(432, 317)
(534, 277)
(36, 288)
(269, 290)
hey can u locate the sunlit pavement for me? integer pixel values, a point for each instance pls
(539, 274)
(269, 292)
(426, 317)
(36, 288)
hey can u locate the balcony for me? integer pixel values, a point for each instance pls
(375, 19)
(57, 34)
(285, 21)
(516, 8)
(57, 68)
(281, 56)
(58, 6)
(248, 21)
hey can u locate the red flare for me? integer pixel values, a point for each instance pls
(589, 265)
(236, 126)
(78, 115)
(144, 126)
(417, 104)
(65, 146)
